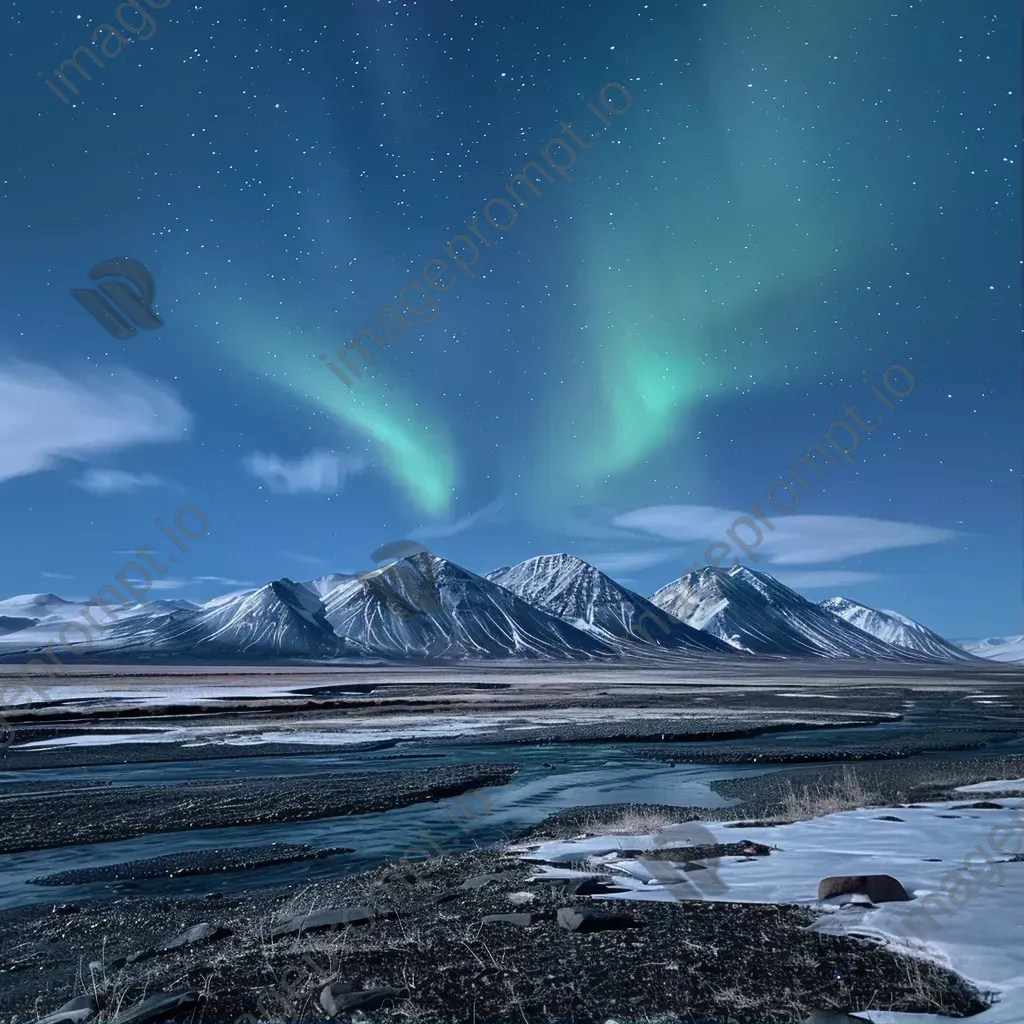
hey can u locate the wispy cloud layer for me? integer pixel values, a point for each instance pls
(45, 416)
(319, 472)
(796, 540)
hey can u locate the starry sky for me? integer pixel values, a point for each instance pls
(789, 197)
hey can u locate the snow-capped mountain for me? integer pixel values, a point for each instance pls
(576, 592)
(898, 630)
(427, 607)
(997, 648)
(755, 612)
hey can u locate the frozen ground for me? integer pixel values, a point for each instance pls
(982, 939)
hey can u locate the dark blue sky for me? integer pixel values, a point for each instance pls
(800, 195)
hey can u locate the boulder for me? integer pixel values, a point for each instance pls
(575, 920)
(877, 888)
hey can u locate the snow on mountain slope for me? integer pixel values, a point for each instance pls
(898, 630)
(426, 607)
(12, 624)
(282, 619)
(323, 585)
(577, 593)
(48, 616)
(997, 648)
(40, 607)
(755, 612)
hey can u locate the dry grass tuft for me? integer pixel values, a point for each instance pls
(845, 794)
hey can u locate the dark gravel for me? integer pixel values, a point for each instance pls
(696, 961)
(38, 822)
(192, 862)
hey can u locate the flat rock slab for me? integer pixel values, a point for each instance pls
(574, 920)
(158, 1006)
(833, 1017)
(197, 935)
(522, 920)
(344, 917)
(877, 888)
(592, 887)
(479, 881)
(75, 1011)
(341, 997)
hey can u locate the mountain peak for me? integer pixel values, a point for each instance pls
(895, 629)
(580, 594)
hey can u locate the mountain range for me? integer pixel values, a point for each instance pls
(427, 609)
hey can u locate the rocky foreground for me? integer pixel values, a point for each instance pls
(458, 938)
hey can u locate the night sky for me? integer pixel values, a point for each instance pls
(799, 195)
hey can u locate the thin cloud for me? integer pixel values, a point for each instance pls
(631, 561)
(320, 472)
(117, 481)
(57, 576)
(796, 540)
(171, 583)
(485, 514)
(223, 581)
(45, 416)
(825, 579)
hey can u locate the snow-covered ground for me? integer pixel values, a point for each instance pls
(982, 938)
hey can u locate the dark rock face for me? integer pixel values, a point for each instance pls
(341, 997)
(573, 920)
(344, 917)
(160, 1005)
(877, 888)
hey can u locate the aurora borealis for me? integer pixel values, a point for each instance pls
(800, 195)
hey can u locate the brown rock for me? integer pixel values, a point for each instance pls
(877, 888)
